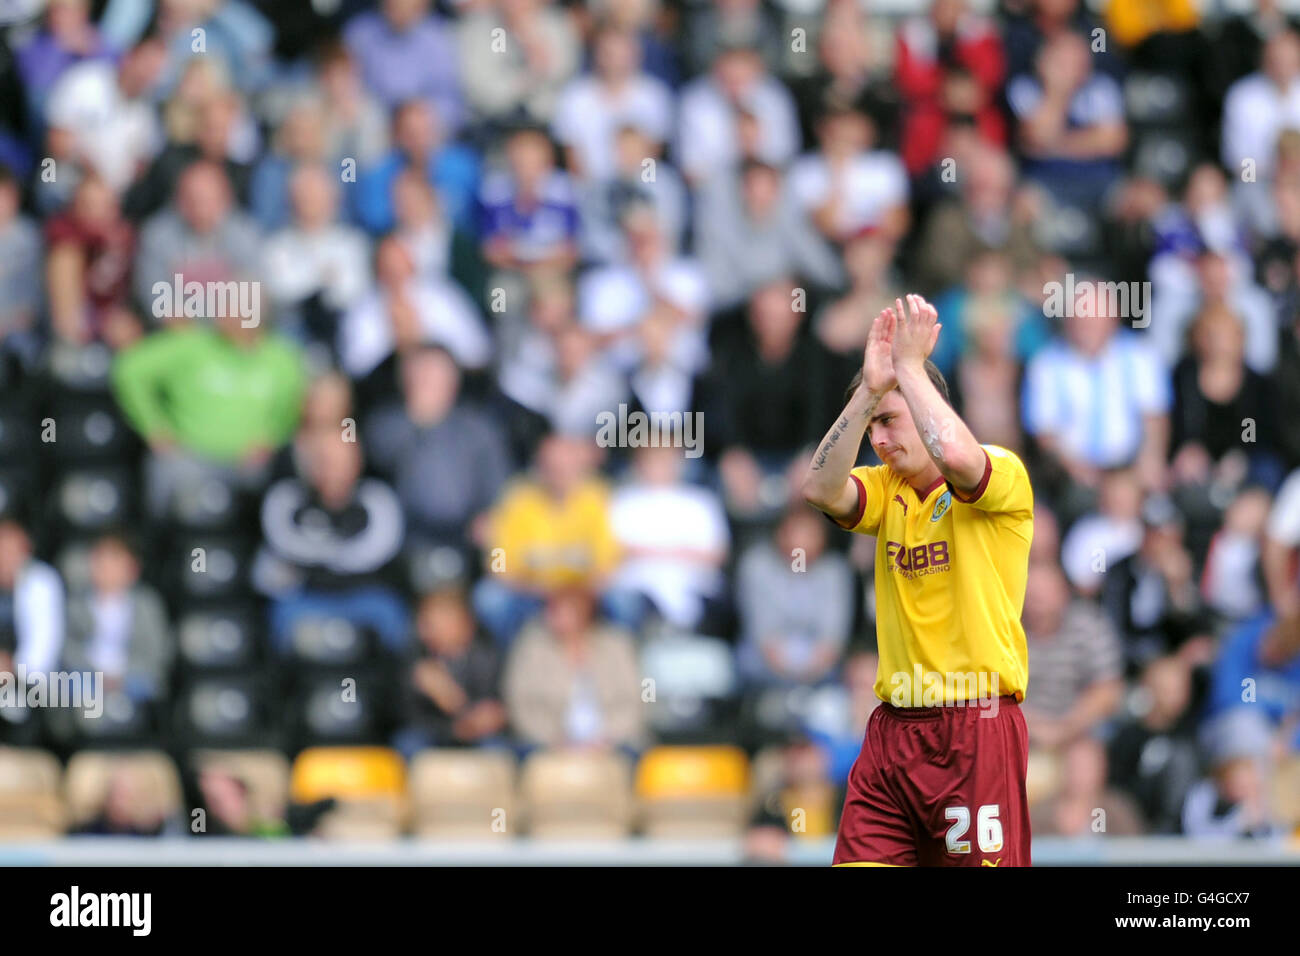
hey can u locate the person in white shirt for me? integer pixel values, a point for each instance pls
(847, 186)
(31, 605)
(316, 254)
(615, 300)
(1281, 547)
(708, 136)
(404, 310)
(593, 107)
(1259, 106)
(673, 536)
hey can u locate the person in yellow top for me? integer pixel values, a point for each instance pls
(940, 779)
(549, 530)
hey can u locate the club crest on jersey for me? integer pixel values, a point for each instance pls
(941, 506)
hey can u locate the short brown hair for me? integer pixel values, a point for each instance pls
(932, 370)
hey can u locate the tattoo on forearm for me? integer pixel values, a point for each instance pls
(830, 442)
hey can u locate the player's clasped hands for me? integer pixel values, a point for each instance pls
(898, 336)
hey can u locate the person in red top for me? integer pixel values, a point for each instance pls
(948, 68)
(88, 268)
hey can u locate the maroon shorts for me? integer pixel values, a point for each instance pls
(939, 786)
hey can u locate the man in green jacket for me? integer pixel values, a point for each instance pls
(211, 397)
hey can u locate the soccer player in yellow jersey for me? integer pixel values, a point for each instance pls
(940, 779)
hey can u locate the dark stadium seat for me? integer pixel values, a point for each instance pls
(88, 432)
(81, 368)
(1157, 99)
(1166, 155)
(94, 498)
(331, 642)
(329, 710)
(221, 638)
(207, 504)
(210, 567)
(225, 711)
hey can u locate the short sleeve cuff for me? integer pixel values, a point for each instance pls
(979, 489)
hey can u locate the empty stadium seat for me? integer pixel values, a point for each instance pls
(218, 639)
(463, 793)
(211, 567)
(81, 368)
(695, 685)
(155, 783)
(18, 436)
(1166, 156)
(31, 802)
(1043, 777)
(207, 504)
(1157, 99)
(89, 431)
(330, 642)
(577, 795)
(264, 772)
(1286, 792)
(91, 499)
(326, 711)
(220, 710)
(368, 782)
(693, 791)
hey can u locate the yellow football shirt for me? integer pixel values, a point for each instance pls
(548, 543)
(950, 582)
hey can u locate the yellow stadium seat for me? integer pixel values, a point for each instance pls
(694, 792)
(463, 793)
(368, 782)
(264, 772)
(577, 795)
(1043, 777)
(151, 775)
(31, 806)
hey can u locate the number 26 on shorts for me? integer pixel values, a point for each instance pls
(988, 829)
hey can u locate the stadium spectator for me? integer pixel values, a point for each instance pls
(650, 283)
(640, 176)
(710, 137)
(548, 529)
(873, 285)
(1151, 596)
(420, 143)
(1152, 756)
(1071, 129)
(950, 65)
(199, 237)
(316, 267)
(1101, 538)
(516, 56)
(573, 681)
(450, 694)
(21, 255)
(988, 213)
(748, 231)
(529, 214)
(758, 392)
(69, 36)
(712, 29)
(328, 546)
(1233, 801)
(403, 52)
(299, 140)
(31, 623)
(674, 541)
(209, 400)
(794, 599)
(1258, 672)
(432, 432)
(118, 626)
(1077, 662)
(1232, 585)
(88, 268)
(849, 185)
(616, 94)
(356, 124)
(1281, 546)
(1097, 398)
(1257, 107)
(403, 311)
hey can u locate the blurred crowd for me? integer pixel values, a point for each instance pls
(378, 512)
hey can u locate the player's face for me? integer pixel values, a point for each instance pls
(894, 436)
